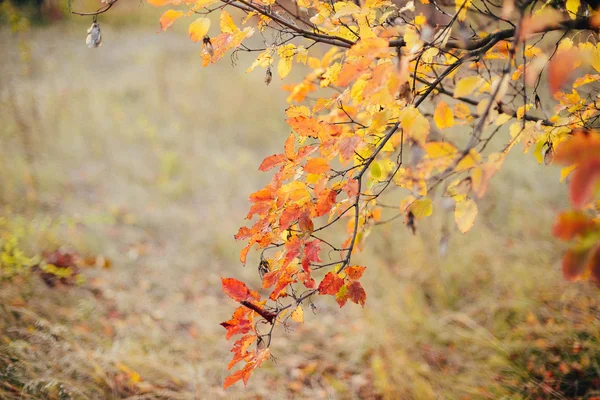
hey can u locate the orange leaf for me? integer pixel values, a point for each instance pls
(238, 290)
(272, 161)
(560, 69)
(317, 166)
(581, 146)
(330, 284)
(289, 215)
(355, 272)
(325, 201)
(167, 19)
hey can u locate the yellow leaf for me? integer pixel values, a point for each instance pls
(227, 24)
(469, 161)
(263, 60)
(502, 119)
(573, 7)
(564, 172)
(284, 66)
(465, 212)
(461, 8)
(204, 3)
(345, 8)
(443, 116)
(331, 74)
(167, 19)
(439, 149)
(199, 28)
(461, 111)
(376, 170)
(414, 124)
(298, 314)
(422, 208)
(467, 85)
(522, 110)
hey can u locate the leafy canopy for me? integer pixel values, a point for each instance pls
(398, 99)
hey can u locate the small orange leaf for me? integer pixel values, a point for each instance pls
(167, 19)
(272, 161)
(355, 272)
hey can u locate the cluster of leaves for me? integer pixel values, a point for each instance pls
(59, 267)
(581, 225)
(396, 100)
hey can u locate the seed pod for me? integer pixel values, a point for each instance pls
(549, 154)
(268, 76)
(410, 222)
(94, 36)
(538, 101)
(208, 45)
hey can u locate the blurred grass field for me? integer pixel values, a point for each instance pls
(134, 153)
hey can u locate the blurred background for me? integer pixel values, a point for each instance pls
(128, 168)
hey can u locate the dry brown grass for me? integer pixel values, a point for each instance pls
(139, 155)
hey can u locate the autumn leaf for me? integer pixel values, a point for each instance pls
(331, 284)
(317, 166)
(465, 212)
(572, 224)
(168, 18)
(237, 290)
(560, 68)
(356, 293)
(298, 314)
(272, 161)
(467, 85)
(443, 116)
(198, 29)
(355, 272)
(584, 182)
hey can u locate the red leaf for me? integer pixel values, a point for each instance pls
(573, 264)
(238, 290)
(583, 182)
(330, 284)
(305, 223)
(357, 294)
(571, 224)
(311, 251)
(289, 215)
(272, 161)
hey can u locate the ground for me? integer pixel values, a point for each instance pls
(135, 155)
